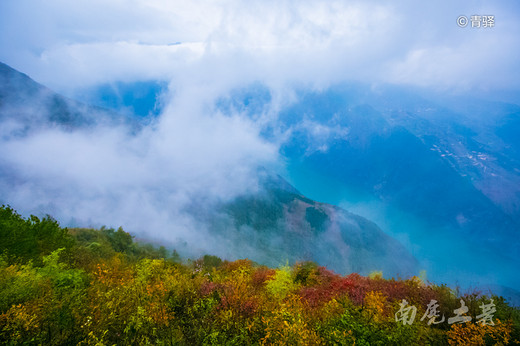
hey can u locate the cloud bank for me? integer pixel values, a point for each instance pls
(205, 50)
(73, 44)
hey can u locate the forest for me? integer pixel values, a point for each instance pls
(62, 286)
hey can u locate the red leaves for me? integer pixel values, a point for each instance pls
(261, 275)
(153, 301)
(316, 296)
(208, 288)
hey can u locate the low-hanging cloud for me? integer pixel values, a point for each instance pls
(106, 175)
(144, 181)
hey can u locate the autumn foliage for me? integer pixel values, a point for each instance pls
(99, 287)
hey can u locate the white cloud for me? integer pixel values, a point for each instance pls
(72, 44)
(144, 181)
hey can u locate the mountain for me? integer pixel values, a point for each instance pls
(279, 223)
(26, 105)
(273, 225)
(439, 171)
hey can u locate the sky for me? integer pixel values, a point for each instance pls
(68, 45)
(204, 50)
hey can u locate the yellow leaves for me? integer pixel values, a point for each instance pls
(332, 308)
(158, 314)
(286, 324)
(342, 337)
(250, 325)
(18, 321)
(284, 332)
(476, 334)
(376, 274)
(416, 281)
(153, 301)
(375, 303)
(470, 334)
(113, 273)
(281, 284)
(131, 297)
(93, 339)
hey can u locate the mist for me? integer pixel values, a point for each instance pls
(109, 174)
(148, 174)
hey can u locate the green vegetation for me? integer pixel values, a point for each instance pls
(85, 286)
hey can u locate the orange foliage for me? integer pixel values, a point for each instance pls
(476, 334)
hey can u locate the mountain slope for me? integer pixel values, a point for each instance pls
(24, 101)
(439, 172)
(279, 224)
(391, 156)
(273, 225)
(26, 105)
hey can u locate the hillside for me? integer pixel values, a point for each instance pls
(272, 224)
(85, 286)
(27, 106)
(437, 170)
(279, 223)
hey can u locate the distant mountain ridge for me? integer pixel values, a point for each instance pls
(426, 159)
(24, 100)
(26, 105)
(439, 171)
(274, 225)
(279, 223)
